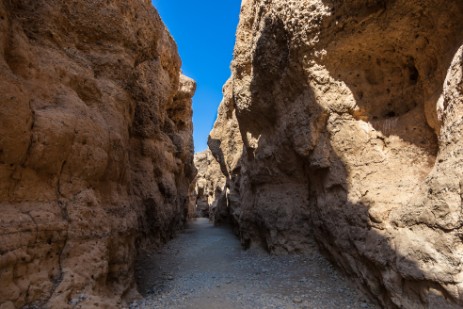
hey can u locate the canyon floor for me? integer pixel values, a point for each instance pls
(205, 267)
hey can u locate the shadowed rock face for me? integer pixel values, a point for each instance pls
(96, 153)
(341, 124)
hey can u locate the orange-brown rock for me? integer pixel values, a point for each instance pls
(226, 146)
(209, 184)
(349, 119)
(95, 148)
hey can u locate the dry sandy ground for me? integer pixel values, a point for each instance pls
(205, 267)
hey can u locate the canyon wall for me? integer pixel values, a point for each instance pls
(342, 125)
(96, 152)
(209, 183)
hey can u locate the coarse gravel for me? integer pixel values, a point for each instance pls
(205, 267)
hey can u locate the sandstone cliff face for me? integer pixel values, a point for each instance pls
(95, 148)
(226, 146)
(346, 128)
(209, 184)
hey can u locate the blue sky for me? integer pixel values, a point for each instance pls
(205, 34)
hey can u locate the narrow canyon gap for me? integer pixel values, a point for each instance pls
(340, 129)
(205, 35)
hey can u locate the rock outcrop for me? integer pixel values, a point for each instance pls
(226, 146)
(96, 153)
(342, 123)
(209, 183)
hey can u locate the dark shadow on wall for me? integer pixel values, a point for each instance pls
(396, 82)
(291, 195)
(214, 146)
(222, 210)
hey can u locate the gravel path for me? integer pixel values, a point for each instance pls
(205, 268)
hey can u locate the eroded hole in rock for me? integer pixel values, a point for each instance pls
(412, 71)
(394, 77)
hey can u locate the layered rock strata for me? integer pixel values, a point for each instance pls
(342, 123)
(96, 153)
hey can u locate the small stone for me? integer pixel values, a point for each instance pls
(297, 300)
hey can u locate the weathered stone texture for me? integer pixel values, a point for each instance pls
(347, 123)
(96, 153)
(209, 184)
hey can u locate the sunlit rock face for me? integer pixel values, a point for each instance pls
(96, 153)
(208, 187)
(342, 124)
